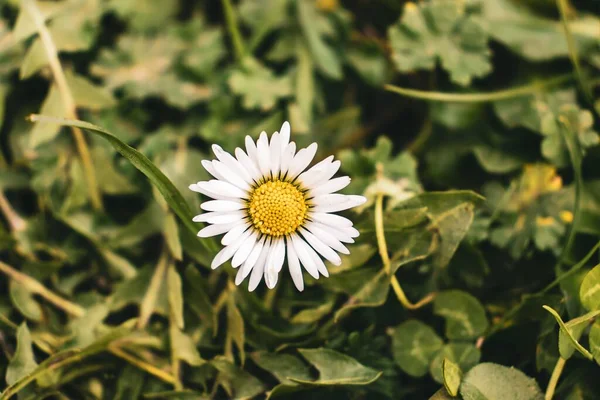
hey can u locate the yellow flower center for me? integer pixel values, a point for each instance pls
(277, 208)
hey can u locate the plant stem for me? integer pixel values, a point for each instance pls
(36, 287)
(234, 30)
(479, 97)
(558, 369)
(17, 224)
(383, 252)
(143, 365)
(67, 98)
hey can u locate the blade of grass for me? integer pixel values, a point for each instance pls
(145, 166)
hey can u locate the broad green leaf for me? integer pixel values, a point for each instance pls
(464, 314)
(569, 335)
(414, 346)
(258, 86)
(283, 366)
(86, 329)
(238, 383)
(441, 394)
(177, 395)
(132, 291)
(23, 362)
(141, 162)
(322, 53)
(23, 300)
(336, 369)
(490, 381)
(452, 226)
(144, 15)
(589, 292)
(440, 30)
(464, 355)
(452, 377)
(184, 348)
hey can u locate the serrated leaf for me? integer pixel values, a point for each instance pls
(464, 314)
(258, 86)
(440, 31)
(490, 381)
(336, 369)
(414, 346)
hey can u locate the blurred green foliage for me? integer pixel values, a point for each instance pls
(486, 166)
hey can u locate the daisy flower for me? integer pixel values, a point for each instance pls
(269, 209)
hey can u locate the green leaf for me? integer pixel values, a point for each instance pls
(23, 362)
(322, 54)
(464, 314)
(490, 381)
(283, 366)
(440, 30)
(452, 226)
(589, 292)
(185, 349)
(464, 355)
(141, 162)
(258, 86)
(235, 327)
(452, 377)
(414, 346)
(238, 383)
(336, 369)
(23, 300)
(595, 341)
(570, 334)
(132, 291)
(175, 296)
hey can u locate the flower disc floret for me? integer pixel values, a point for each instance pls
(277, 208)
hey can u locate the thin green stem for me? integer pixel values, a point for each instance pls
(234, 30)
(558, 369)
(68, 101)
(519, 91)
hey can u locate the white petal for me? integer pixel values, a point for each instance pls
(224, 217)
(327, 238)
(333, 231)
(259, 267)
(223, 188)
(275, 154)
(248, 164)
(314, 257)
(350, 231)
(244, 251)
(208, 166)
(234, 233)
(336, 202)
(222, 205)
(284, 133)
(321, 247)
(230, 175)
(198, 189)
(263, 154)
(214, 230)
(294, 266)
(316, 171)
(228, 251)
(330, 186)
(330, 219)
(301, 160)
(274, 263)
(319, 179)
(252, 259)
(252, 151)
(286, 157)
(302, 251)
(232, 163)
